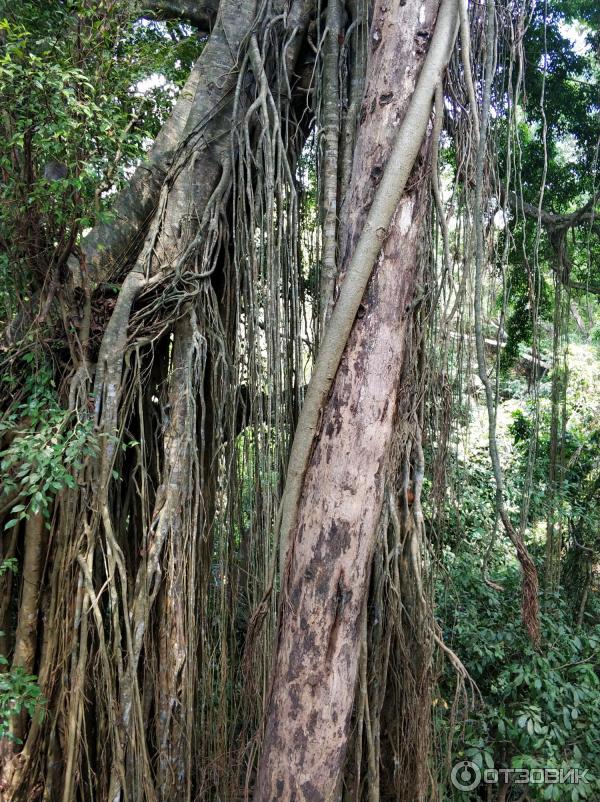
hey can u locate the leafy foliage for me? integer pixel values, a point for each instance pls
(47, 447)
(539, 709)
(18, 691)
(85, 89)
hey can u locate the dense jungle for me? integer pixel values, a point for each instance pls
(299, 400)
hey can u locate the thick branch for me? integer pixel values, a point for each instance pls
(551, 220)
(201, 15)
(557, 225)
(113, 242)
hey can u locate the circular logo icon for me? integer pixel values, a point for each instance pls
(465, 775)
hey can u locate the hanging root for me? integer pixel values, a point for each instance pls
(164, 547)
(530, 600)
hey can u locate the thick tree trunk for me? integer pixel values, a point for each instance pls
(332, 540)
(127, 662)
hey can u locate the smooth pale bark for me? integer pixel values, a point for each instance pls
(333, 537)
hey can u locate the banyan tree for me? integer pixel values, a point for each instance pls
(224, 582)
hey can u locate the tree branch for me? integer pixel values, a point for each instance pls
(550, 220)
(557, 225)
(201, 14)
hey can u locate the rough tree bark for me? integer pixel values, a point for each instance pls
(116, 607)
(329, 536)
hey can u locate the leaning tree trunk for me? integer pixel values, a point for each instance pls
(336, 484)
